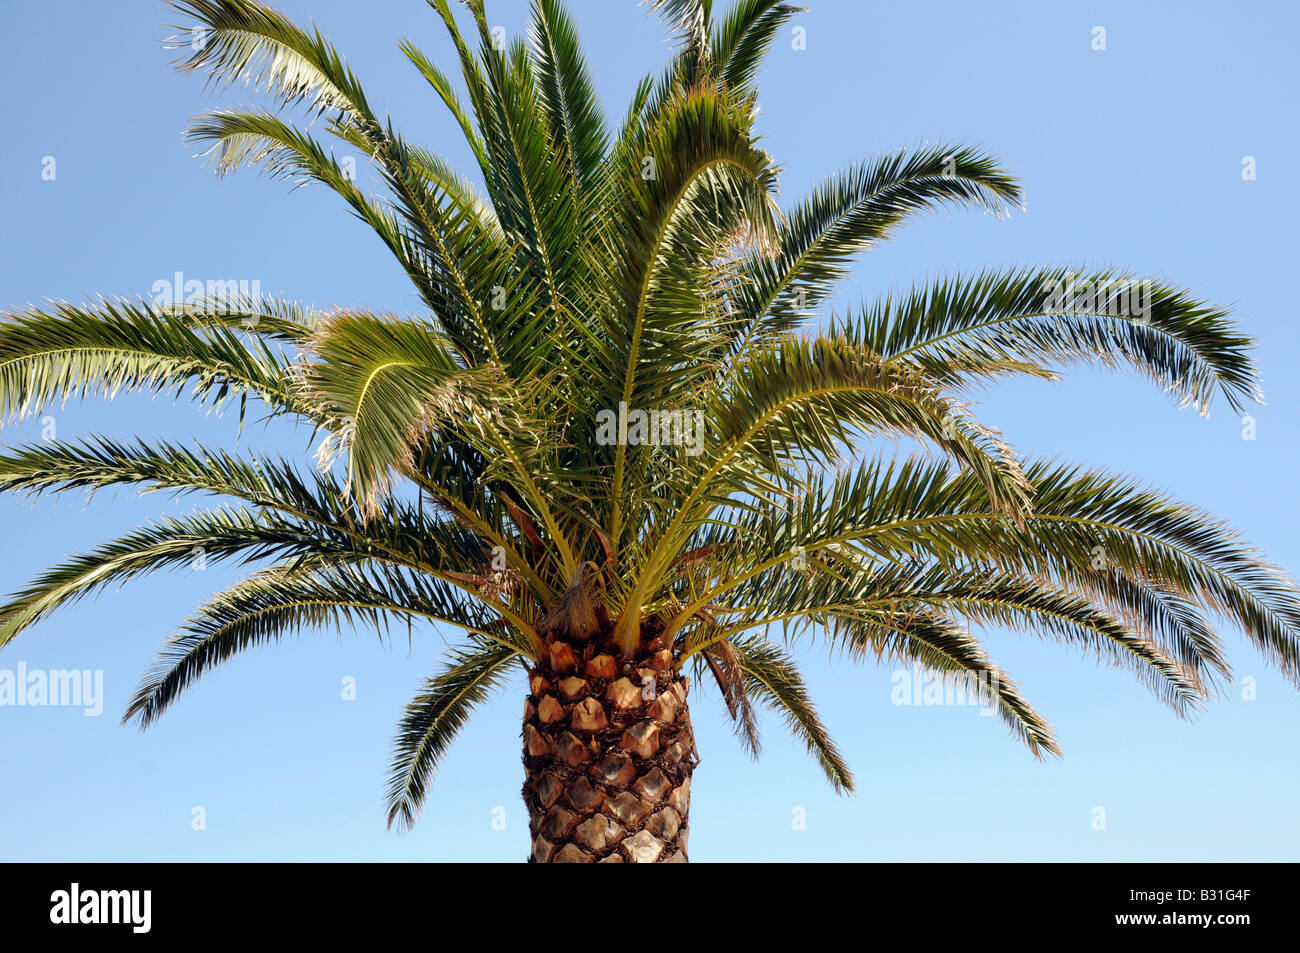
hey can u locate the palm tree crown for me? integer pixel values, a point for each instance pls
(614, 424)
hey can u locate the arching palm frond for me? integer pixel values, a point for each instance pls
(608, 424)
(433, 718)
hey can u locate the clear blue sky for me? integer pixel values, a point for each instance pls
(1131, 156)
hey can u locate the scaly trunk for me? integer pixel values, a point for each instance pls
(608, 756)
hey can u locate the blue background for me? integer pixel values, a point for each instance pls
(1130, 156)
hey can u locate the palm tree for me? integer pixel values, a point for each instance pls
(611, 451)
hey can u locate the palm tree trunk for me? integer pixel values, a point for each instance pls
(608, 756)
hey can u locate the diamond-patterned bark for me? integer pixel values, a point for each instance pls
(608, 753)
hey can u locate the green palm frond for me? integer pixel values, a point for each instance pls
(270, 317)
(378, 380)
(288, 599)
(236, 138)
(568, 94)
(442, 85)
(772, 679)
(803, 402)
(853, 601)
(50, 356)
(1065, 316)
(1029, 604)
(468, 473)
(692, 21)
(941, 646)
(743, 36)
(241, 41)
(293, 516)
(169, 543)
(1158, 564)
(433, 718)
(848, 213)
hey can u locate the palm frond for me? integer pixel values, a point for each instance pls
(442, 85)
(724, 663)
(1062, 315)
(691, 20)
(646, 271)
(287, 599)
(171, 542)
(941, 646)
(433, 718)
(772, 679)
(241, 41)
(848, 213)
(49, 356)
(568, 94)
(742, 38)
